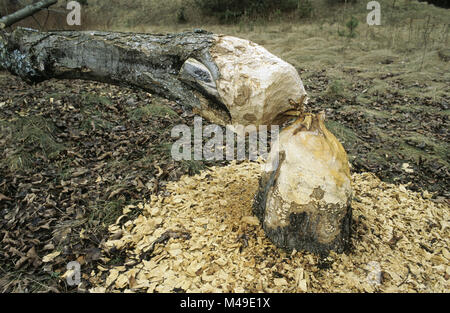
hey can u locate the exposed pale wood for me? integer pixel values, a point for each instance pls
(150, 62)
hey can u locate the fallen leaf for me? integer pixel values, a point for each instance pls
(3, 197)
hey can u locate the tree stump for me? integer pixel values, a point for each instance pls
(304, 195)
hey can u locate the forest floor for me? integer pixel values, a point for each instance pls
(76, 156)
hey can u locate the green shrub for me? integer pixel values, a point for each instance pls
(351, 25)
(439, 3)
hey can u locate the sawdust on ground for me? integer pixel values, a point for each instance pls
(400, 242)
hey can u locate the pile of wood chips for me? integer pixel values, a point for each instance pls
(400, 242)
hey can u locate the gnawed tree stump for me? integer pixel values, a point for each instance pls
(303, 201)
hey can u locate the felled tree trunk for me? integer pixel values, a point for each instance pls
(225, 79)
(304, 196)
